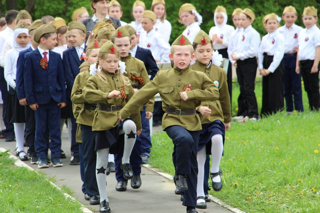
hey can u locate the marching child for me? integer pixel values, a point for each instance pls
(84, 116)
(46, 94)
(309, 56)
(110, 90)
(15, 111)
(270, 56)
(189, 17)
(291, 79)
(215, 117)
(162, 26)
(152, 40)
(137, 73)
(137, 12)
(220, 35)
(72, 59)
(115, 11)
(245, 55)
(181, 91)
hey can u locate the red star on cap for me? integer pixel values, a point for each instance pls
(182, 40)
(112, 50)
(96, 44)
(119, 34)
(204, 41)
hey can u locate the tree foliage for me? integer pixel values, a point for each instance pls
(65, 8)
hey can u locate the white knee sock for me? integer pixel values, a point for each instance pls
(19, 132)
(111, 158)
(201, 158)
(130, 130)
(101, 166)
(216, 152)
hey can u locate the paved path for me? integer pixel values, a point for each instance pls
(155, 195)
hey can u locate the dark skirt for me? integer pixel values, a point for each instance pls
(110, 138)
(14, 111)
(209, 130)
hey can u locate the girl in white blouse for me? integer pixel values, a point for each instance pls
(137, 11)
(162, 25)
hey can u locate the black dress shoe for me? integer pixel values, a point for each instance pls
(201, 203)
(177, 191)
(104, 206)
(75, 160)
(181, 197)
(62, 154)
(192, 211)
(127, 171)
(217, 186)
(94, 200)
(121, 186)
(86, 197)
(207, 198)
(136, 182)
(181, 182)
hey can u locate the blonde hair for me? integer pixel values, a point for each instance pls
(165, 12)
(104, 56)
(172, 50)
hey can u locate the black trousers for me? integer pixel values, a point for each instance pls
(272, 89)
(311, 83)
(247, 102)
(224, 53)
(30, 128)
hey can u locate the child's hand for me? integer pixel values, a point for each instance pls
(90, 38)
(34, 106)
(135, 90)
(227, 126)
(262, 72)
(219, 40)
(297, 69)
(267, 72)
(114, 93)
(139, 132)
(234, 57)
(121, 119)
(204, 110)
(184, 96)
(62, 105)
(235, 64)
(23, 102)
(314, 69)
(214, 37)
(149, 115)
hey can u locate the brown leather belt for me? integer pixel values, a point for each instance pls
(180, 111)
(107, 107)
(89, 106)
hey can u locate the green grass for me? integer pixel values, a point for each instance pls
(23, 190)
(271, 165)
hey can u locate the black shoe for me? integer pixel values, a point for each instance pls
(121, 186)
(136, 182)
(34, 158)
(192, 211)
(94, 200)
(207, 198)
(108, 170)
(62, 154)
(127, 171)
(104, 206)
(9, 139)
(112, 167)
(86, 197)
(201, 204)
(2, 135)
(181, 197)
(75, 160)
(145, 159)
(181, 182)
(217, 186)
(177, 191)
(24, 157)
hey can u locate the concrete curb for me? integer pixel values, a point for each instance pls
(214, 199)
(20, 163)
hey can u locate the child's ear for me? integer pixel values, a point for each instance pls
(84, 36)
(170, 56)
(192, 56)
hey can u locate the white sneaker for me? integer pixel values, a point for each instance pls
(237, 118)
(244, 119)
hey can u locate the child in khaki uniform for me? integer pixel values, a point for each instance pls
(181, 90)
(110, 90)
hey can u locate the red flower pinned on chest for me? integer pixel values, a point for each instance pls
(295, 35)
(273, 41)
(306, 39)
(187, 88)
(149, 45)
(122, 92)
(221, 36)
(43, 63)
(243, 38)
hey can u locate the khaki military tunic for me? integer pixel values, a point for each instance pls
(96, 92)
(169, 83)
(220, 109)
(137, 68)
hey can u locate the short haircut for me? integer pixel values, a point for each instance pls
(62, 30)
(115, 6)
(11, 15)
(46, 35)
(114, 38)
(47, 19)
(2, 22)
(248, 17)
(172, 50)
(195, 45)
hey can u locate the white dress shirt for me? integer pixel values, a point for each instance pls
(291, 37)
(224, 33)
(233, 42)
(123, 23)
(164, 29)
(10, 69)
(134, 51)
(155, 43)
(4, 35)
(41, 53)
(138, 28)
(96, 20)
(60, 50)
(191, 31)
(248, 44)
(80, 50)
(309, 39)
(273, 45)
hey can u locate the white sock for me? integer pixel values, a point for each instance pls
(129, 129)
(111, 158)
(201, 158)
(101, 166)
(19, 132)
(216, 152)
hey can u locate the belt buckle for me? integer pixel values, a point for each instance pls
(178, 111)
(113, 108)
